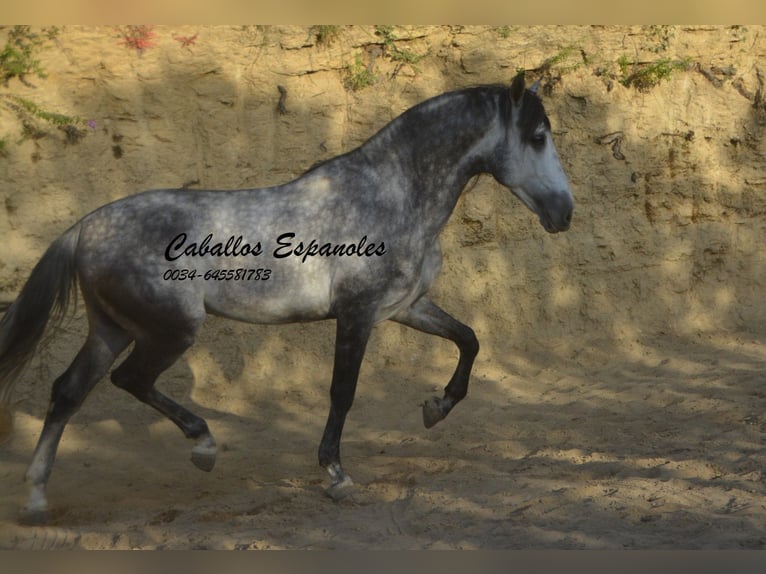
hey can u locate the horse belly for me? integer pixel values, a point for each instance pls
(273, 297)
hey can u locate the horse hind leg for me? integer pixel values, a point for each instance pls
(103, 345)
(426, 316)
(138, 374)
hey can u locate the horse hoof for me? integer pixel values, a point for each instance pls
(203, 460)
(433, 411)
(342, 489)
(203, 454)
(35, 512)
(34, 516)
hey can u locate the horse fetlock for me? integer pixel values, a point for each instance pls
(341, 485)
(37, 473)
(435, 409)
(204, 452)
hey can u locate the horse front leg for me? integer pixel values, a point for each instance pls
(352, 334)
(426, 316)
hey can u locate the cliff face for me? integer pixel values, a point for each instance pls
(667, 171)
(659, 128)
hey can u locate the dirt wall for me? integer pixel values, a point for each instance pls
(668, 177)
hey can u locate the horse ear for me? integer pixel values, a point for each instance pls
(517, 88)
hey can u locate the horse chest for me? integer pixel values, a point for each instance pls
(414, 279)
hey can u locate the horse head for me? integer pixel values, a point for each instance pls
(529, 164)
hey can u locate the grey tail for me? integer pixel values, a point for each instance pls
(49, 292)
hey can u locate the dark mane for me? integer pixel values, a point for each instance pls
(533, 115)
(474, 103)
(477, 103)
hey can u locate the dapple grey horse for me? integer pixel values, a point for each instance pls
(355, 239)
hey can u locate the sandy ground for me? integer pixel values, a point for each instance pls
(559, 448)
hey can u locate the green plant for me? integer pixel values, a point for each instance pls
(395, 53)
(358, 75)
(20, 55)
(36, 111)
(562, 60)
(662, 36)
(645, 75)
(33, 118)
(19, 58)
(326, 34)
(624, 63)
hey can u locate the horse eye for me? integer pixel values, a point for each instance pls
(538, 140)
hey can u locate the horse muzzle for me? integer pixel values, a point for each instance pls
(556, 212)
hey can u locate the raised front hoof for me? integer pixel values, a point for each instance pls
(342, 489)
(203, 455)
(434, 410)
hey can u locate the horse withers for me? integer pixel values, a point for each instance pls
(355, 239)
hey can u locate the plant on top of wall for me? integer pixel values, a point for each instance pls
(20, 59)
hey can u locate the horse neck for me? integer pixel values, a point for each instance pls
(429, 153)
